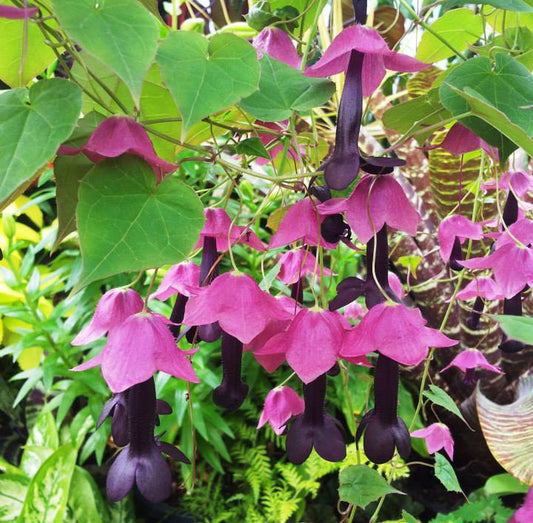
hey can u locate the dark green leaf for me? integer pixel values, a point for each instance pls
(127, 222)
(491, 92)
(283, 90)
(508, 5)
(442, 398)
(253, 147)
(120, 34)
(445, 474)
(361, 485)
(31, 132)
(205, 76)
(517, 327)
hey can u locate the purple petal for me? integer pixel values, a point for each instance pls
(121, 475)
(153, 476)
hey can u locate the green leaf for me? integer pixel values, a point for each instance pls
(119, 33)
(47, 495)
(503, 485)
(31, 132)
(459, 27)
(283, 90)
(127, 222)
(18, 67)
(205, 76)
(445, 474)
(491, 91)
(517, 327)
(442, 398)
(508, 5)
(508, 430)
(408, 518)
(85, 500)
(253, 147)
(361, 485)
(13, 488)
(306, 8)
(44, 432)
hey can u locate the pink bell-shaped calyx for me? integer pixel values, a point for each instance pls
(114, 307)
(182, 278)
(281, 404)
(437, 437)
(452, 233)
(472, 359)
(276, 43)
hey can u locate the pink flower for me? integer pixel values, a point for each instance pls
(394, 331)
(383, 198)
(114, 307)
(482, 287)
(437, 437)
(267, 139)
(120, 135)
(471, 359)
(302, 222)
(525, 513)
(136, 349)
(217, 225)
(354, 311)
(520, 182)
(277, 43)
(460, 140)
(377, 57)
(235, 300)
(182, 278)
(457, 226)
(17, 13)
(311, 343)
(280, 404)
(396, 285)
(298, 263)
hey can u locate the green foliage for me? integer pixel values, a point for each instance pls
(479, 509)
(517, 327)
(442, 398)
(445, 473)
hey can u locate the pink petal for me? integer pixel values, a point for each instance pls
(521, 183)
(272, 354)
(522, 230)
(403, 63)
(313, 341)
(460, 140)
(297, 264)
(472, 359)
(17, 13)
(456, 226)
(333, 206)
(280, 405)
(182, 279)
(356, 343)
(114, 307)
(354, 311)
(396, 285)
(483, 287)
(246, 236)
(237, 303)
(525, 513)
(277, 43)
(89, 364)
(437, 436)
(373, 73)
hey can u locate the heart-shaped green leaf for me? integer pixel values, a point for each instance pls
(517, 327)
(120, 33)
(128, 223)
(17, 66)
(507, 86)
(205, 76)
(32, 130)
(283, 90)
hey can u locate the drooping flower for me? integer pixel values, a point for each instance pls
(136, 349)
(236, 302)
(471, 359)
(315, 428)
(520, 182)
(118, 135)
(141, 462)
(384, 431)
(311, 343)
(302, 222)
(182, 278)
(460, 140)
(277, 44)
(525, 513)
(396, 331)
(377, 57)
(437, 437)
(376, 201)
(114, 307)
(17, 13)
(452, 233)
(298, 263)
(333, 228)
(479, 288)
(281, 404)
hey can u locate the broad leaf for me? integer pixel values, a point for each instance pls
(120, 34)
(459, 27)
(361, 485)
(508, 430)
(85, 500)
(517, 327)
(31, 132)
(503, 485)
(253, 147)
(18, 67)
(47, 495)
(13, 489)
(445, 474)
(283, 90)
(128, 223)
(508, 5)
(442, 398)
(206, 76)
(506, 86)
